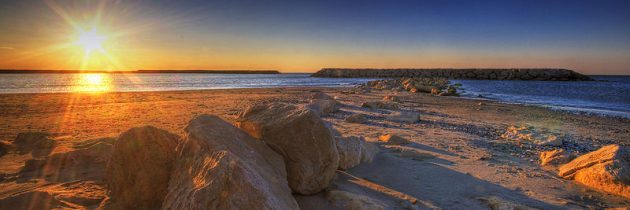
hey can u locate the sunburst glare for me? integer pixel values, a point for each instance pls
(90, 40)
(92, 83)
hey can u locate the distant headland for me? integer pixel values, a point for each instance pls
(18, 71)
(547, 74)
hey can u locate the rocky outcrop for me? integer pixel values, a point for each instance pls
(606, 169)
(140, 167)
(221, 167)
(555, 157)
(353, 151)
(435, 86)
(301, 137)
(472, 74)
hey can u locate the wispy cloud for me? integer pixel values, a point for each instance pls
(6, 48)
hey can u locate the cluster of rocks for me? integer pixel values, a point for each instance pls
(531, 135)
(606, 169)
(436, 86)
(472, 74)
(273, 151)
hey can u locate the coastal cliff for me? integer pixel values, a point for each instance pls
(471, 74)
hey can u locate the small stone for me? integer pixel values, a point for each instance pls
(392, 139)
(356, 118)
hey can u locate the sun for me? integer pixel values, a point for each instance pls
(90, 40)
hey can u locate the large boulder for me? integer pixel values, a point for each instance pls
(39, 144)
(140, 167)
(606, 169)
(353, 151)
(222, 167)
(301, 137)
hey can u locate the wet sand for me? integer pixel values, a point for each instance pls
(466, 160)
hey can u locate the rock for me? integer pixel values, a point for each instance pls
(368, 151)
(301, 137)
(321, 96)
(351, 201)
(349, 149)
(393, 98)
(221, 167)
(37, 143)
(4, 148)
(354, 151)
(424, 89)
(435, 91)
(356, 118)
(392, 139)
(323, 106)
(140, 167)
(531, 135)
(405, 116)
(379, 105)
(550, 141)
(475, 74)
(555, 157)
(606, 169)
(411, 153)
(496, 203)
(72, 165)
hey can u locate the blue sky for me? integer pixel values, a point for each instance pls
(589, 36)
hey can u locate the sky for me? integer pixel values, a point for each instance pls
(591, 37)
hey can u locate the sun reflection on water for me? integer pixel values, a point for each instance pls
(93, 83)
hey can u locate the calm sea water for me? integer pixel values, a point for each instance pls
(610, 95)
(49, 83)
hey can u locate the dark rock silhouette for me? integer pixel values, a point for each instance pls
(472, 74)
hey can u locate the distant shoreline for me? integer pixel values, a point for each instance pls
(12, 71)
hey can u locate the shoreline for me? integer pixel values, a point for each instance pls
(462, 156)
(555, 108)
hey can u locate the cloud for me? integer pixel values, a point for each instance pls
(6, 48)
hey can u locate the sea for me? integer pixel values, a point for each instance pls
(608, 95)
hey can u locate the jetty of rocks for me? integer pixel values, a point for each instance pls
(468, 74)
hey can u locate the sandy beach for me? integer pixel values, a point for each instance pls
(464, 162)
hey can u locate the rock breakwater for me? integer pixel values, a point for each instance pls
(470, 74)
